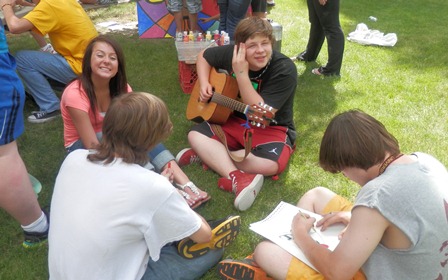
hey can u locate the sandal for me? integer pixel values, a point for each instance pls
(191, 189)
(191, 202)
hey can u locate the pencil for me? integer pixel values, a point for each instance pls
(304, 216)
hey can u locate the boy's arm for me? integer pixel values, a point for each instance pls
(364, 233)
(241, 69)
(203, 234)
(203, 70)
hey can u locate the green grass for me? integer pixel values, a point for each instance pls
(405, 87)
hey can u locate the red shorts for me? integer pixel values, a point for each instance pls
(271, 142)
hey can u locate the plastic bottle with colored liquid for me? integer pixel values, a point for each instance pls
(216, 36)
(208, 36)
(200, 38)
(191, 37)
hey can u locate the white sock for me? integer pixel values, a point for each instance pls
(39, 225)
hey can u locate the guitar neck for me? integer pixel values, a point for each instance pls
(229, 103)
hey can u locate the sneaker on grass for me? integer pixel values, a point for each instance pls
(246, 269)
(37, 239)
(187, 156)
(222, 235)
(245, 186)
(34, 239)
(43, 116)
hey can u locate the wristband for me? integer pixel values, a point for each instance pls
(5, 5)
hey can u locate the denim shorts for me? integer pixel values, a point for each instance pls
(193, 6)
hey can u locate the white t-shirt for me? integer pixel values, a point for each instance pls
(107, 220)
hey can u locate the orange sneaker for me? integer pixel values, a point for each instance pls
(246, 269)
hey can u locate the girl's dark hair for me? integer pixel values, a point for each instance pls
(355, 139)
(117, 85)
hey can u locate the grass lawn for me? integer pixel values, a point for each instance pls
(405, 87)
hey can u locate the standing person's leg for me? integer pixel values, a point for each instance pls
(259, 8)
(236, 12)
(16, 193)
(334, 35)
(34, 67)
(173, 266)
(194, 7)
(17, 196)
(175, 8)
(317, 35)
(223, 8)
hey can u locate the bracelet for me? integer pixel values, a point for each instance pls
(5, 5)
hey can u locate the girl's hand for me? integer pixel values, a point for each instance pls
(168, 173)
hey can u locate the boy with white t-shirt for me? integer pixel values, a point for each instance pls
(114, 219)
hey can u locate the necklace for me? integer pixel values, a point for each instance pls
(387, 162)
(264, 70)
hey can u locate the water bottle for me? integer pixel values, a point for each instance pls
(277, 31)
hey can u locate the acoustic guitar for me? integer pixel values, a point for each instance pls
(223, 102)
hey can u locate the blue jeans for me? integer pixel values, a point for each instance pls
(173, 266)
(159, 156)
(34, 67)
(231, 13)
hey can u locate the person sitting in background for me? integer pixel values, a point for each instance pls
(112, 218)
(86, 99)
(397, 227)
(17, 197)
(263, 76)
(70, 30)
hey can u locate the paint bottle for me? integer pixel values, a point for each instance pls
(216, 36)
(226, 40)
(185, 36)
(191, 37)
(200, 38)
(208, 36)
(179, 36)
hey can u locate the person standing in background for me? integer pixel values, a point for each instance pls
(324, 20)
(70, 30)
(193, 6)
(16, 193)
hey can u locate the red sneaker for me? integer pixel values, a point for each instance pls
(225, 184)
(187, 156)
(246, 187)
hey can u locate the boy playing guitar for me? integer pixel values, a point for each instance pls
(263, 76)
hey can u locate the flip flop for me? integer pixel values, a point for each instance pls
(191, 202)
